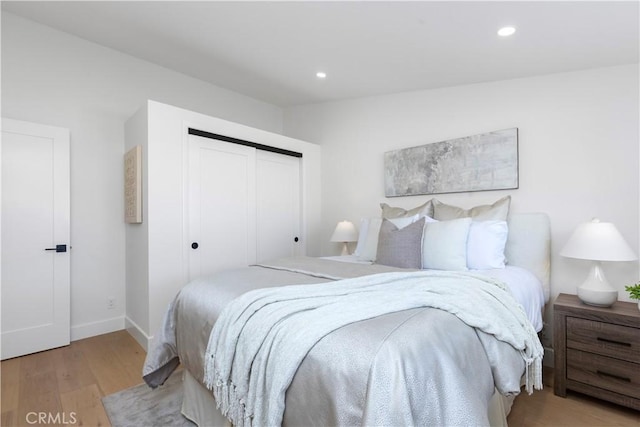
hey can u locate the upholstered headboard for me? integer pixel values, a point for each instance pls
(529, 245)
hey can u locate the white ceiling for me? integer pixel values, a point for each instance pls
(272, 50)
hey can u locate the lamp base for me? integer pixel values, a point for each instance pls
(596, 297)
(596, 290)
(345, 249)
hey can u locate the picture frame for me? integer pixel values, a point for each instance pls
(133, 185)
(482, 162)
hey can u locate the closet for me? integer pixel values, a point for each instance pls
(215, 195)
(243, 204)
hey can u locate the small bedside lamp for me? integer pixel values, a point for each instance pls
(597, 241)
(345, 232)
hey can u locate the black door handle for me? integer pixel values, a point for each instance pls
(194, 245)
(58, 248)
(295, 239)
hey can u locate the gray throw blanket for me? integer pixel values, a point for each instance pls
(261, 337)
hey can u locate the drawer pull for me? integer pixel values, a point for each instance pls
(626, 344)
(617, 377)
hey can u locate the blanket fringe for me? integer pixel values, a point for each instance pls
(533, 373)
(231, 405)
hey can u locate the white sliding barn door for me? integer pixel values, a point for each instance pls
(278, 192)
(35, 238)
(243, 205)
(221, 206)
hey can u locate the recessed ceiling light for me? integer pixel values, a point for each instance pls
(321, 75)
(506, 31)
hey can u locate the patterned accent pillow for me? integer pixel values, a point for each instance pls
(400, 247)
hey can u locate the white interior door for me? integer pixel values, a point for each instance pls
(222, 207)
(278, 206)
(35, 222)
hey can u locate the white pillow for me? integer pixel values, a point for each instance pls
(428, 219)
(367, 251)
(370, 246)
(485, 246)
(362, 236)
(444, 244)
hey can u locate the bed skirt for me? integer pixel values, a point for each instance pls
(199, 406)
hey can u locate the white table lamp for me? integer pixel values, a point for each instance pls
(597, 241)
(345, 232)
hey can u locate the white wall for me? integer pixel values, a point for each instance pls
(578, 143)
(137, 237)
(54, 78)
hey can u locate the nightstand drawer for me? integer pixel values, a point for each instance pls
(604, 372)
(620, 342)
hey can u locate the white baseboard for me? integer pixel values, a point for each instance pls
(549, 356)
(137, 333)
(87, 330)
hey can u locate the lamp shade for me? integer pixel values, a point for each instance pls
(598, 241)
(345, 232)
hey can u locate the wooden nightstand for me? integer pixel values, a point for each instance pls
(597, 350)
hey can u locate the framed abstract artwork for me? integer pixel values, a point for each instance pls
(133, 185)
(487, 161)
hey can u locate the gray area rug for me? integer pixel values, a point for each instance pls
(141, 406)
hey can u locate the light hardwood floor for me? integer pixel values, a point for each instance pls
(543, 408)
(70, 379)
(73, 379)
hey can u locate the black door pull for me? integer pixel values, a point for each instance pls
(58, 248)
(194, 245)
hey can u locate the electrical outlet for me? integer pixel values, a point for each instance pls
(111, 303)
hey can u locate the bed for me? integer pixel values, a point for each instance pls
(413, 364)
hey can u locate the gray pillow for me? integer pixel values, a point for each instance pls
(400, 247)
(499, 211)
